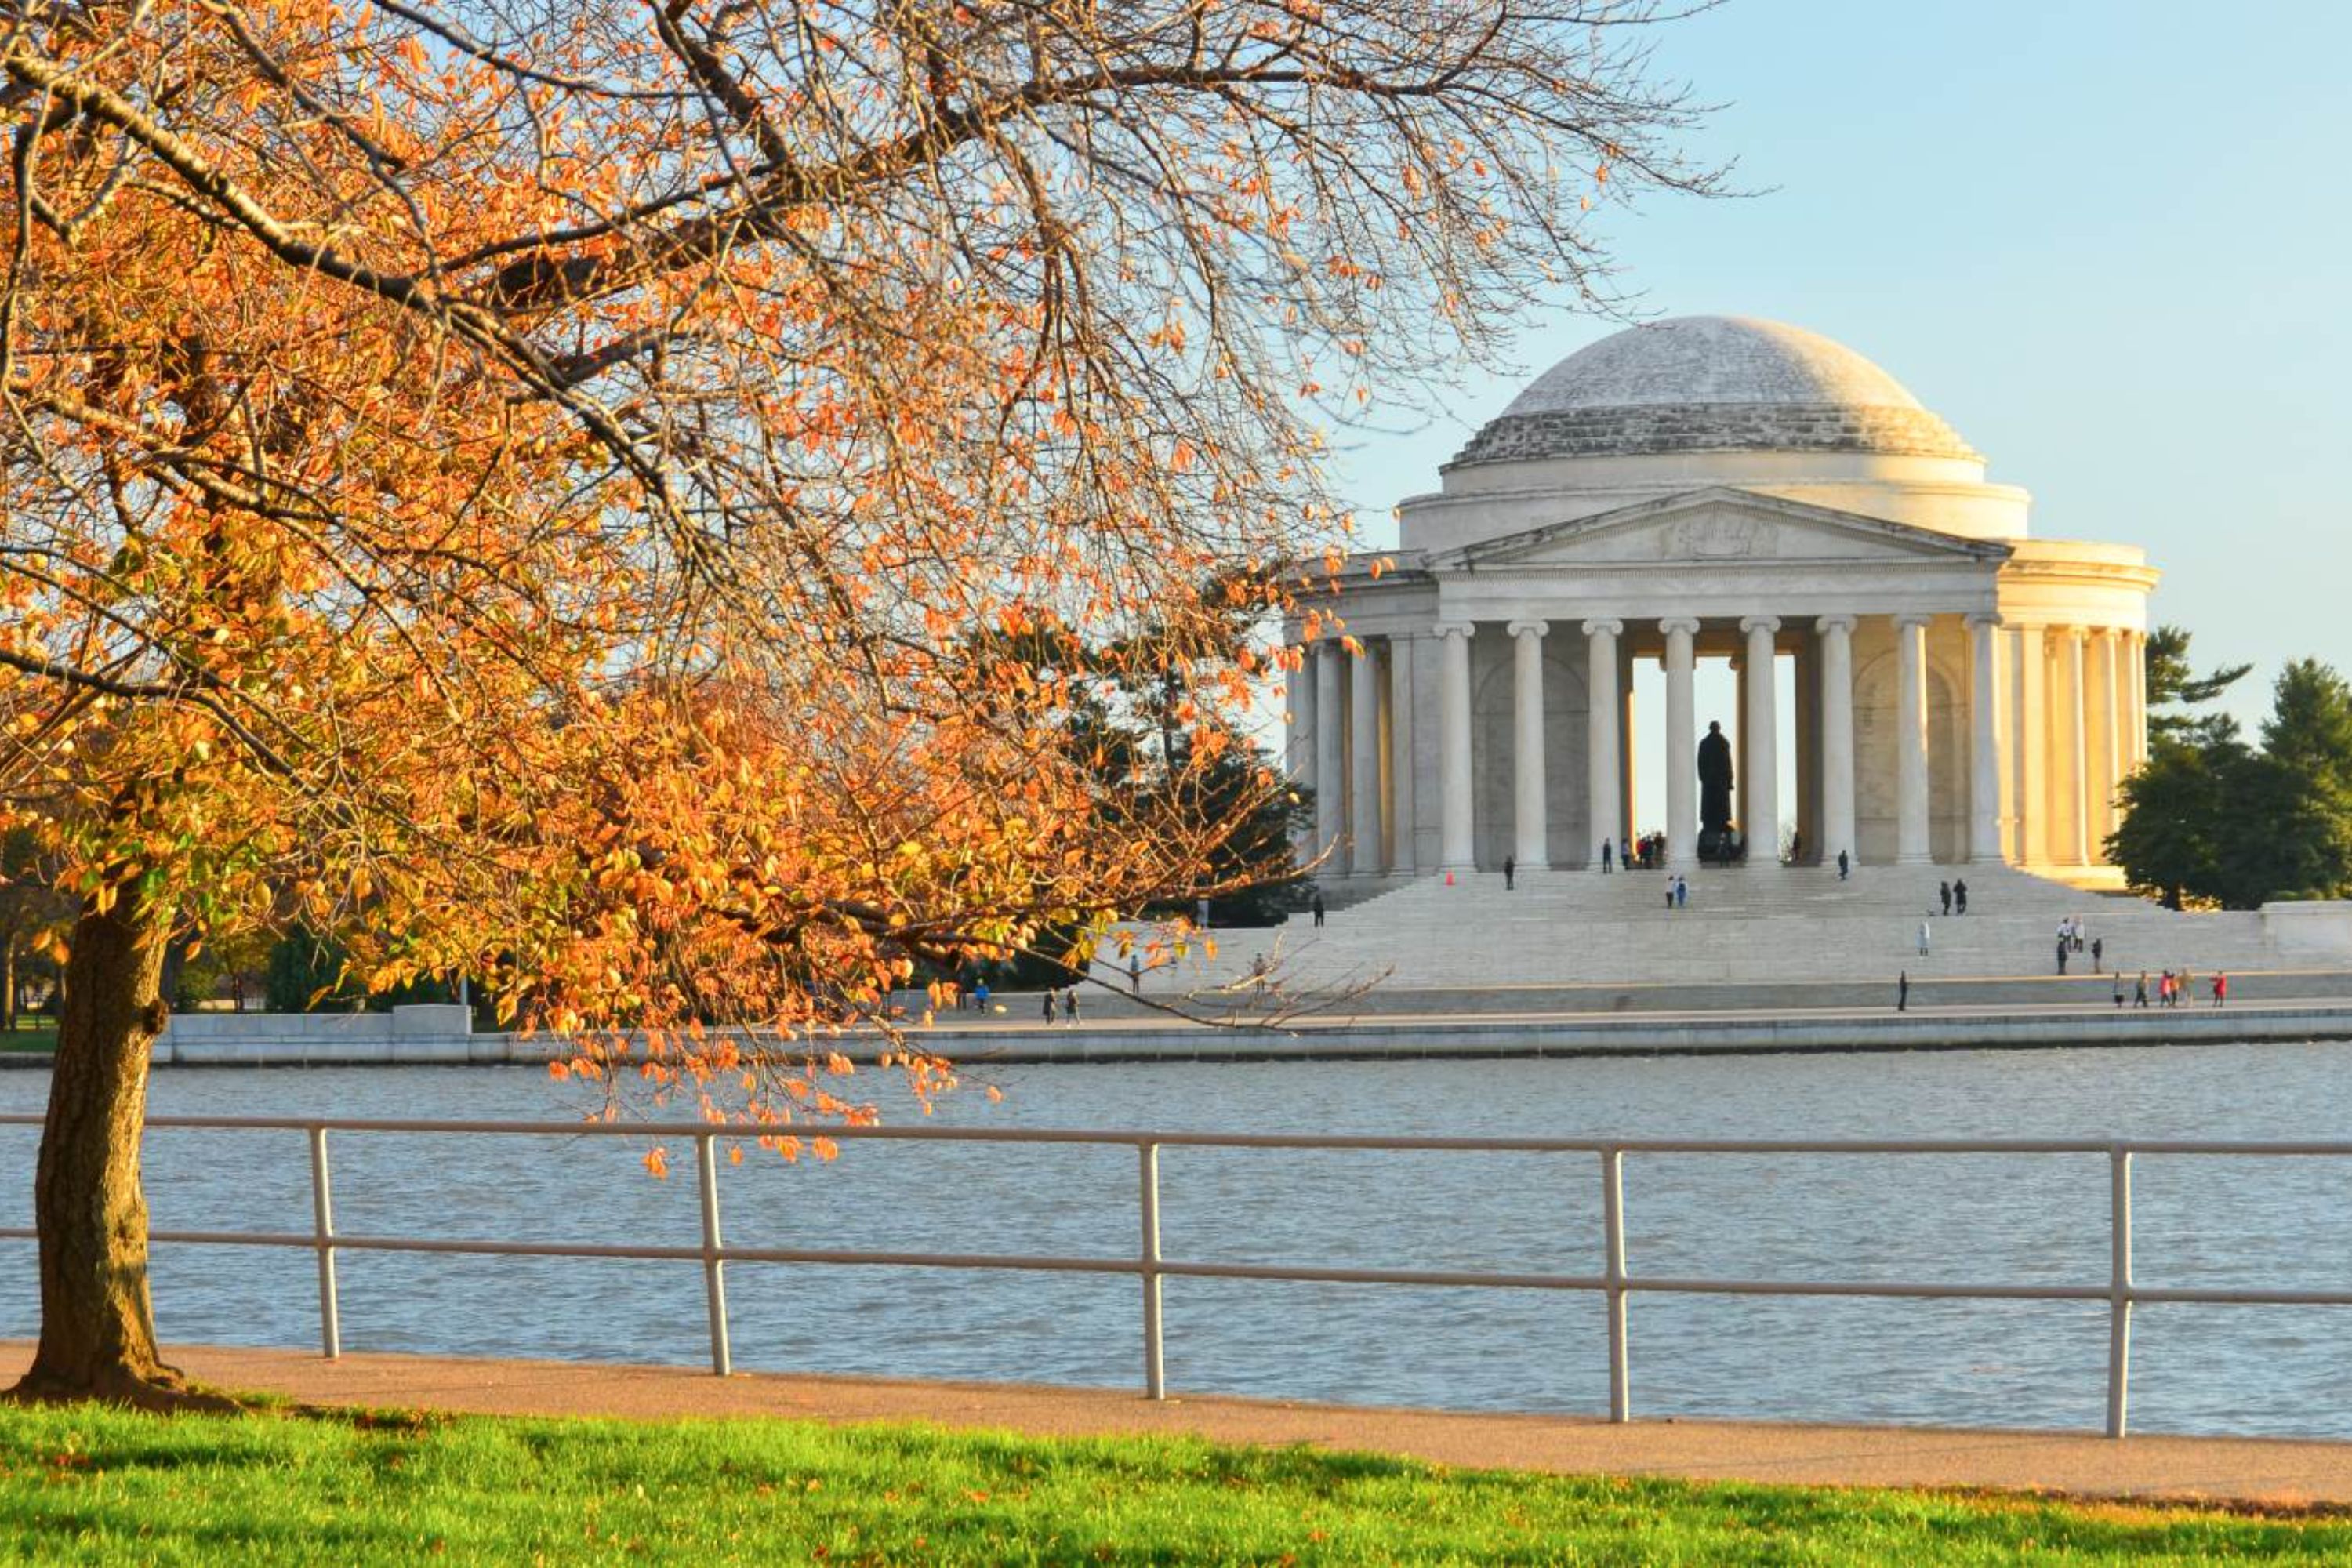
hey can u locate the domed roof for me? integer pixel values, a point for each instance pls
(1713, 384)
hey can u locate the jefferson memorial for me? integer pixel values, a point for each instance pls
(1713, 487)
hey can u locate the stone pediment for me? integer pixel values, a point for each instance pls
(1730, 527)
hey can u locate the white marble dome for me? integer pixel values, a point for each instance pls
(1712, 358)
(1700, 383)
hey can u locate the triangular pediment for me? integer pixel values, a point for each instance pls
(1717, 525)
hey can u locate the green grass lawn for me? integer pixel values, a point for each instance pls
(85, 1485)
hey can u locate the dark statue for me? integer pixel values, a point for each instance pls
(1714, 792)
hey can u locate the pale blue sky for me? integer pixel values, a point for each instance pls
(2109, 242)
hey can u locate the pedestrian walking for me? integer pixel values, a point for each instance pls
(1509, 867)
(1257, 973)
(1070, 1005)
(980, 994)
(1961, 897)
(1923, 939)
(1049, 1008)
(2139, 992)
(2163, 990)
(1606, 846)
(1317, 907)
(2220, 988)
(2061, 954)
(2098, 953)
(1135, 975)
(1625, 853)
(2119, 989)
(1670, 894)
(1844, 865)
(1682, 894)
(1902, 991)
(1944, 891)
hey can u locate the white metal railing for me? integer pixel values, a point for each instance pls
(1616, 1283)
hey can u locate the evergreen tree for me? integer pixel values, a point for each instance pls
(2174, 688)
(2290, 813)
(2171, 840)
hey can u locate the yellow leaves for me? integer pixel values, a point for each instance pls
(657, 1163)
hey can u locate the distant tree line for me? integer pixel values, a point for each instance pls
(2214, 820)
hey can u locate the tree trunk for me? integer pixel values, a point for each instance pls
(97, 1332)
(8, 989)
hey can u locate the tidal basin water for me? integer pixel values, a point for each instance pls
(2200, 1222)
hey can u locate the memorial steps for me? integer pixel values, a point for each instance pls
(1741, 926)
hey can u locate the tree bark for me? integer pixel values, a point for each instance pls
(97, 1332)
(8, 990)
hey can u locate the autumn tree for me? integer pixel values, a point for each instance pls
(513, 483)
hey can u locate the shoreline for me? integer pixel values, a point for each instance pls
(1391, 1037)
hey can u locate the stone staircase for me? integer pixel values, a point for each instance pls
(1742, 926)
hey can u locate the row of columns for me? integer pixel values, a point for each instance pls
(2009, 796)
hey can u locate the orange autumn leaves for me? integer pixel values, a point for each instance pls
(580, 503)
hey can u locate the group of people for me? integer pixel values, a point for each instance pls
(1952, 896)
(2172, 988)
(1058, 1004)
(1677, 894)
(2070, 937)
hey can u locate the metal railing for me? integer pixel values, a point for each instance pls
(1616, 1283)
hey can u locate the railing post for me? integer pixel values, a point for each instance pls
(1155, 1380)
(2120, 1289)
(1612, 1219)
(323, 1232)
(714, 1271)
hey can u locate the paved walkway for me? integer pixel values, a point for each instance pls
(2274, 1474)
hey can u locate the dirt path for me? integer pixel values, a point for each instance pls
(2263, 1472)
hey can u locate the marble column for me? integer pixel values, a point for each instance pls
(2034, 746)
(2080, 850)
(1298, 754)
(1681, 747)
(1456, 851)
(1330, 756)
(1837, 736)
(1762, 722)
(1911, 843)
(2116, 647)
(2138, 650)
(1404, 853)
(1531, 835)
(1602, 772)
(1366, 834)
(1986, 763)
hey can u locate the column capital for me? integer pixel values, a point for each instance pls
(1529, 628)
(1759, 624)
(1912, 618)
(1454, 629)
(1983, 620)
(1686, 624)
(1604, 629)
(1838, 623)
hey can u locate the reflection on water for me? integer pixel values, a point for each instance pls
(2199, 1222)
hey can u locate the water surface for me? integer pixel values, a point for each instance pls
(2200, 1222)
